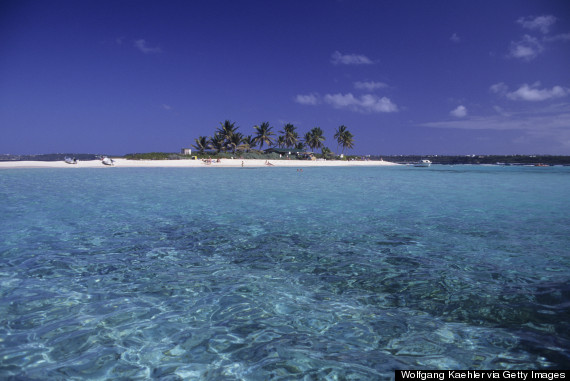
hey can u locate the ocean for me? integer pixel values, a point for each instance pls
(272, 273)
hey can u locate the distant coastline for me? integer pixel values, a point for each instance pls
(49, 157)
(480, 159)
(400, 159)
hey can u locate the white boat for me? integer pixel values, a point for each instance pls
(107, 161)
(422, 163)
(69, 160)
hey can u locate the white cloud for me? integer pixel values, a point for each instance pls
(534, 94)
(370, 86)
(499, 110)
(338, 58)
(459, 112)
(143, 47)
(558, 37)
(542, 23)
(499, 88)
(527, 49)
(364, 103)
(308, 99)
(455, 38)
(166, 107)
(530, 92)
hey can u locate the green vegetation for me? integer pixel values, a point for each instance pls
(227, 138)
(155, 156)
(325, 153)
(50, 157)
(344, 138)
(314, 138)
(328, 154)
(290, 136)
(263, 134)
(201, 144)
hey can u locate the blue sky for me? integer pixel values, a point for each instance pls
(406, 77)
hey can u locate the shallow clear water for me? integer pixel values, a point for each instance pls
(270, 273)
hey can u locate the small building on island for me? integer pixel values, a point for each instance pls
(186, 151)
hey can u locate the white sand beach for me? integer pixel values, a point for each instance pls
(223, 163)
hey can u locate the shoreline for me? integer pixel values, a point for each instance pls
(224, 163)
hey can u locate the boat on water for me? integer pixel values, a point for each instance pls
(107, 161)
(422, 163)
(70, 160)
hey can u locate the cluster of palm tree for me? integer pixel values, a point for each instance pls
(228, 138)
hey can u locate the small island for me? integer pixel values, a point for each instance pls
(228, 147)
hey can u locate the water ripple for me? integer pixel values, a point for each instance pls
(327, 276)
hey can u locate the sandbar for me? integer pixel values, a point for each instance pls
(223, 163)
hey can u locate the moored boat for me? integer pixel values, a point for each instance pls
(107, 161)
(422, 163)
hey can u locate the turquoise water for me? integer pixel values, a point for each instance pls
(270, 273)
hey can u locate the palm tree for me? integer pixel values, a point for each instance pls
(338, 135)
(294, 140)
(327, 153)
(226, 130)
(281, 141)
(300, 145)
(290, 135)
(217, 142)
(314, 138)
(247, 143)
(346, 140)
(264, 134)
(308, 139)
(235, 141)
(201, 143)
